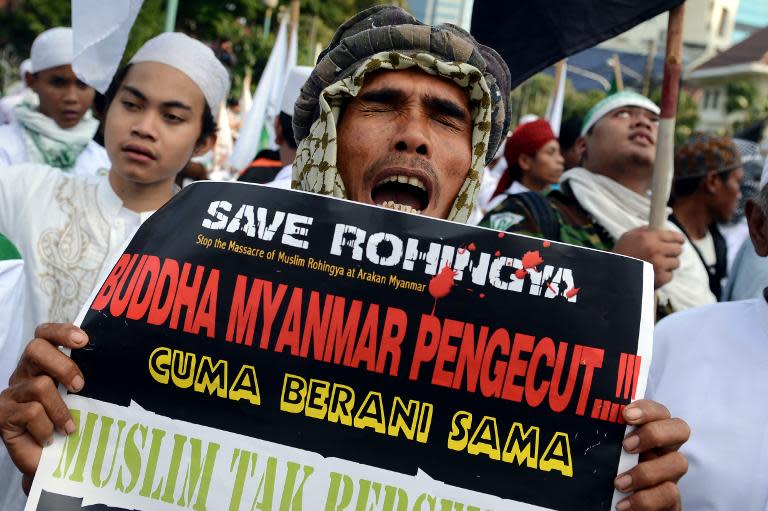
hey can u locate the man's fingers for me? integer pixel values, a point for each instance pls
(647, 474)
(42, 357)
(671, 237)
(41, 392)
(671, 249)
(62, 334)
(643, 411)
(666, 435)
(665, 496)
(31, 418)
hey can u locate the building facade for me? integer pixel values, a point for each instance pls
(708, 28)
(751, 16)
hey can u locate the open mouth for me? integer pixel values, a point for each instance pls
(641, 137)
(401, 193)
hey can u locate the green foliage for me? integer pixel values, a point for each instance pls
(687, 113)
(740, 96)
(241, 21)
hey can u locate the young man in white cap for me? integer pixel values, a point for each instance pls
(284, 125)
(604, 204)
(709, 364)
(160, 113)
(286, 143)
(58, 131)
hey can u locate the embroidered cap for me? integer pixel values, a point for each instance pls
(619, 100)
(703, 154)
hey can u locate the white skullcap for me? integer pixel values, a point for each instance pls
(194, 59)
(51, 48)
(296, 77)
(619, 100)
(528, 118)
(25, 67)
(764, 177)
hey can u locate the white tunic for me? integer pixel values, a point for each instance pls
(92, 161)
(709, 368)
(66, 228)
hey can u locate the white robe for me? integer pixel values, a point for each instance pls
(709, 369)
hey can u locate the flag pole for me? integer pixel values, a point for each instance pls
(617, 75)
(665, 143)
(170, 15)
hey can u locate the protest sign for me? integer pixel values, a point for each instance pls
(255, 348)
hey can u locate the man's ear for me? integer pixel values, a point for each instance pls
(758, 227)
(524, 161)
(279, 140)
(30, 79)
(205, 145)
(581, 146)
(712, 182)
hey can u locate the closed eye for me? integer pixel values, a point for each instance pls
(130, 105)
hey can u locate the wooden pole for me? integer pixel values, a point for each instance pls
(665, 142)
(616, 63)
(648, 71)
(294, 20)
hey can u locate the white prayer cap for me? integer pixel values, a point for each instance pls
(619, 100)
(764, 177)
(52, 48)
(296, 77)
(528, 118)
(194, 59)
(25, 67)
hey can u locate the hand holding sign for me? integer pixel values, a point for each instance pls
(31, 407)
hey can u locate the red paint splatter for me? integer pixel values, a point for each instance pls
(471, 247)
(440, 285)
(482, 295)
(546, 243)
(572, 292)
(532, 259)
(520, 274)
(549, 285)
(470, 290)
(497, 253)
(502, 234)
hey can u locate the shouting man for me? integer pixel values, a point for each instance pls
(397, 114)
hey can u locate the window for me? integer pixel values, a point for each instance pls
(705, 105)
(715, 100)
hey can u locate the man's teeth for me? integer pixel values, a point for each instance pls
(413, 181)
(399, 207)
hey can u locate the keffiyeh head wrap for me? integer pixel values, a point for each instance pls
(388, 38)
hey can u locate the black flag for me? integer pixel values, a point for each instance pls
(534, 34)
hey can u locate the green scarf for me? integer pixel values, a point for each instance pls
(50, 144)
(314, 169)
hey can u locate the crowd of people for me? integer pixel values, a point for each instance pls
(429, 105)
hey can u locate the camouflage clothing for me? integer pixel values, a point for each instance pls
(571, 222)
